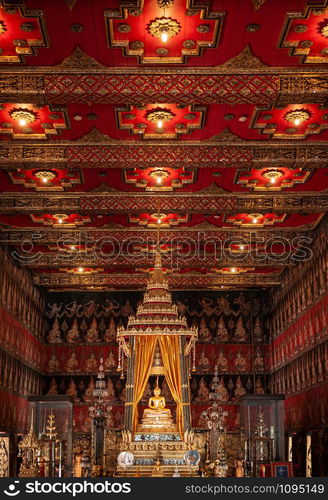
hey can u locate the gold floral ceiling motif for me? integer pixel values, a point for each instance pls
(23, 116)
(3, 28)
(164, 25)
(298, 116)
(159, 115)
(45, 176)
(323, 28)
(164, 32)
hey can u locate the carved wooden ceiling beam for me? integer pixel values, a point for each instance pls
(59, 260)
(196, 235)
(225, 150)
(202, 86)
(178, 281)
(202, 202)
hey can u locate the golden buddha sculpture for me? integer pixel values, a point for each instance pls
(156, 417)
(157, 402)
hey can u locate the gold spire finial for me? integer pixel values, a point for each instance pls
(157, 274)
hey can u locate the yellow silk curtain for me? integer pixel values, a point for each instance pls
(170, 351)
(144, 355)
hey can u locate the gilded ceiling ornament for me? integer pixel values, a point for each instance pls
(10, 10)
(27, 27)
(267, 116)
(70, 3)
(246, 59)
(134, 12)
(124, 28)
(323, 28)
(252, 27)
(45, 175)
(141, 125)
(159, 173)
(189, 44)
(298, 115)
(164, 4)
(318, 12)
(3, 28)
(272, 174)
(203, 28)
(20, 43)
(229, 116)
(300, 28)
(162, 51)
(257, 4)
(137, 45)
(180, 126)
(23, 114)
(164, 24)
(130, 116)
(190, 116)
(291, 130)
(76, 27)
(324, 51)
(158, 216)
(159, 114)
(191, 12)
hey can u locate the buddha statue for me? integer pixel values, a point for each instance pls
(222, 362)
(73, 334)
(204, 333)
(72, 363)
(92, 333)
(54, 336)
(259, 361)
(203, 392)
(157, 402)
(240, 332)
(240, 362)
(53, 363)
(53, 391)
(110, 333)
(91, 363)
(110, 362)
(204, 363)
(222, 334)
(156, 417)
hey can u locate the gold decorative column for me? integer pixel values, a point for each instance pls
(309, 454)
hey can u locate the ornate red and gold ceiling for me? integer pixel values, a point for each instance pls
(207, 120)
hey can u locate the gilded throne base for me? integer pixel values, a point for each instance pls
(168, 448)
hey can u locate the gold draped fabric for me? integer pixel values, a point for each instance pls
(144, 355)
(170, 351)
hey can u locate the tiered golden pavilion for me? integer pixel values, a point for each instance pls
(157, 342)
